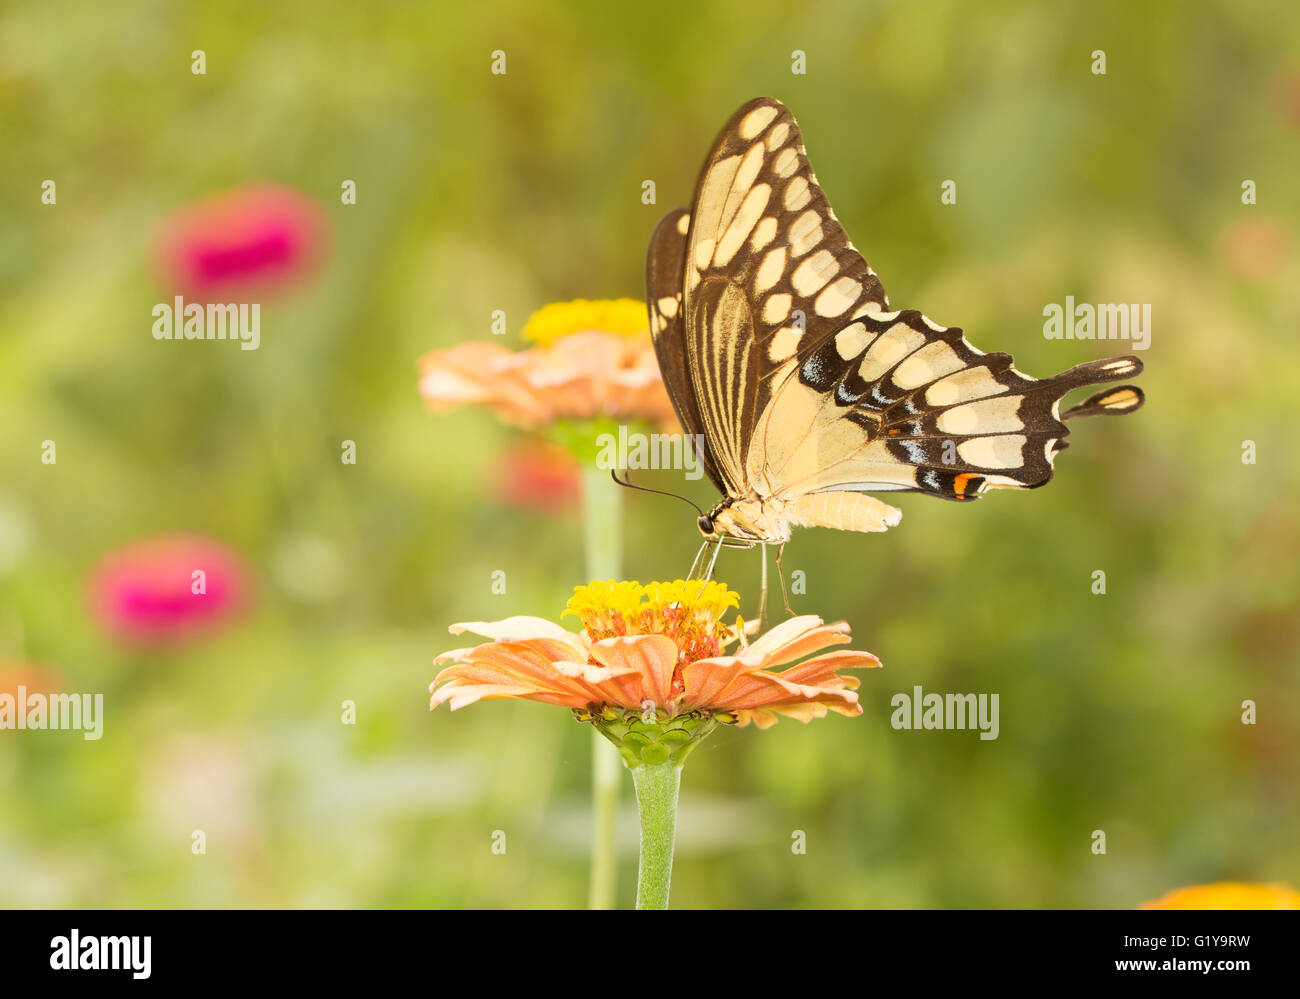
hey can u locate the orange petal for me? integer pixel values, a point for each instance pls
(707, 680)
(516, 628)
(653, 657)
(462, 695)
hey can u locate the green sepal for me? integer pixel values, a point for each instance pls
(650, 737)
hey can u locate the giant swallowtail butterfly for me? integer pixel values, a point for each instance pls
(781, 354)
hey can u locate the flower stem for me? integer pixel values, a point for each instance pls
(603, 542)
(656, 799)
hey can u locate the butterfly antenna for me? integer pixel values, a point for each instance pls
(627, 481)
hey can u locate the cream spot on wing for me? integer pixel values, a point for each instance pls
(786, 162)
(764, 233)
(757, 120)
(784, 345)
(713, 194)
(805, 233)
(814, 272)
(997, 415)
(993, 452)
(836, 299)
(932, 361)
(741, 183)
(770, 270)
(932, 324)
(703, 253)
(851, 341)
(888, 349)
(776, 308)
(797, 194)
(683, 224)
(668, 306)
(964, 386)
(777, 136)
(750, 210)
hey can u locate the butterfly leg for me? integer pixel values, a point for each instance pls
(699, 561)
(714, 560)
(762, 602)
(785, 597)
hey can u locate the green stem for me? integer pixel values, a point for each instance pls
(603, 541)
(656, 799)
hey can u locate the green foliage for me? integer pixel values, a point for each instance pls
(478, 192)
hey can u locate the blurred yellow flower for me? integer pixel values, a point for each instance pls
(624, 316)
(1228, 895)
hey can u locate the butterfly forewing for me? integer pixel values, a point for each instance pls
(664, 265)
(768, 272)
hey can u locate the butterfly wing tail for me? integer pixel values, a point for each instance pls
(1109, 402)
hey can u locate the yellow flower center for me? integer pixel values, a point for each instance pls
(688, 612)
(625, 316)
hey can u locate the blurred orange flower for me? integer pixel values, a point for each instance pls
(591, 359)
(248, 241)
(1229, 895)
(656, 647)
(1255, 248)
(19, 680)
(32, 677)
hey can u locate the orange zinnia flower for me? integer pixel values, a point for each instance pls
(649, 667)
(591, 359)
(1228, 895)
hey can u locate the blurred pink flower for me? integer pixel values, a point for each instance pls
(167, 589)
(251, 238)
(538, 475)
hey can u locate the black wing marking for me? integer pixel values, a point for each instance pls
(897, 402)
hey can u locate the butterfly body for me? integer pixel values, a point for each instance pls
(780, 352)
(750, 520)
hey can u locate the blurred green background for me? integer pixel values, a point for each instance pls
(479, 192)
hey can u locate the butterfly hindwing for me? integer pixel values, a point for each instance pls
(893, 401)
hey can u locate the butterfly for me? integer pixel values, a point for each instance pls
(803, 390)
